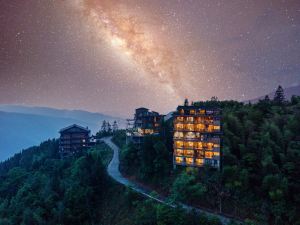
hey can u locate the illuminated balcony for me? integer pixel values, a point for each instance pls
(199, 162)
(209, 155)
(179, 160)
(179, 152)
(188, 153)
(189, 161)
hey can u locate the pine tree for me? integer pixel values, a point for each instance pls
(186, 102)
(279, 96)
(267, 99)
(214, 99)
(115, 126)
(109, 130)
(104, 126)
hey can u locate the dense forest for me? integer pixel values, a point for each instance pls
(260, 176)
(37, 187)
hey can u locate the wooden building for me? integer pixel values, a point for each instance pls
(197, 136)
(73, 139)
(145, 123)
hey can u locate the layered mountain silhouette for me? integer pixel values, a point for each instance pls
(24, 126)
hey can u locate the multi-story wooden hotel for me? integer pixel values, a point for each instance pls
(144, 123)
(196, 136)
(73, 139)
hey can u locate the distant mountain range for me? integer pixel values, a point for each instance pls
(288, 92)
(24, 126)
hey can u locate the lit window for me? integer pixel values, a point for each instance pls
(199, 162)
(199, 145)
(180, 118)
(192, 112)
(189, 153)
(217, 128)
(190, 119)
(200, 127)
(190, 127)
(210, 146)
(179, 160)
(190, 135)
(179, 126)
(179, 144)
(210, 128)
(216, 153)
(202, 111)
(179, 152)
(189, 160)
(208, 155)
(178, 135)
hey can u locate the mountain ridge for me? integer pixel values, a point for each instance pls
(25, 126)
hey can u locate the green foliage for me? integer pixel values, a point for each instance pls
(152, 163)
(119, 138)
(260, 178)
(36, 187)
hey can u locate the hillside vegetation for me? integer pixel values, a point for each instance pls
(260, 177)
(36, 188)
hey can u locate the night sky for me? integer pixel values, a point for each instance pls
(112, 56)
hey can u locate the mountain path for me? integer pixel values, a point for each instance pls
(114, 172)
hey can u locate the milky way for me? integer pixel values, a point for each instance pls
(124, 32)
(112, 56)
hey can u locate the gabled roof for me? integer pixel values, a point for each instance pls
(74, 126)
(142, 108)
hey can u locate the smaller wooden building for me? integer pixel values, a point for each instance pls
(73, 139)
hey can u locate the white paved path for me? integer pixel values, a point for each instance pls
(114, 172)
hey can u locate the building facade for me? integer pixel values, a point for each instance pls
(73, 139)
(197, 136)
(145, 123)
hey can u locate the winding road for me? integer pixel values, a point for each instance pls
(114, 172)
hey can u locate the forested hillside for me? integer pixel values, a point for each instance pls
(260, 177)
(36, 188)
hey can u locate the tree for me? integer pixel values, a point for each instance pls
(267, 99)
(279, 96)
(109, 130)
(214, 99)
(115, 126)
(104, 126)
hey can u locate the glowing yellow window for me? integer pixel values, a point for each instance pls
(190, 135)
(189, 153)
(199, 162)
(178, 135)
(179, 126)
(199, 145)
(208, 155)
(200, 127)
(181, 111)
(216, 153)
(179, 152)
(202, 111)
(179, 144)
(190, 119)
(180, 118)
(189, 144)
(192, 112)
(210, 146)
(189, 161)
(190, 127)
(179, 160)
(217, 128)
(210, 128)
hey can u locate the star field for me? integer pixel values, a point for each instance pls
(112, 56)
